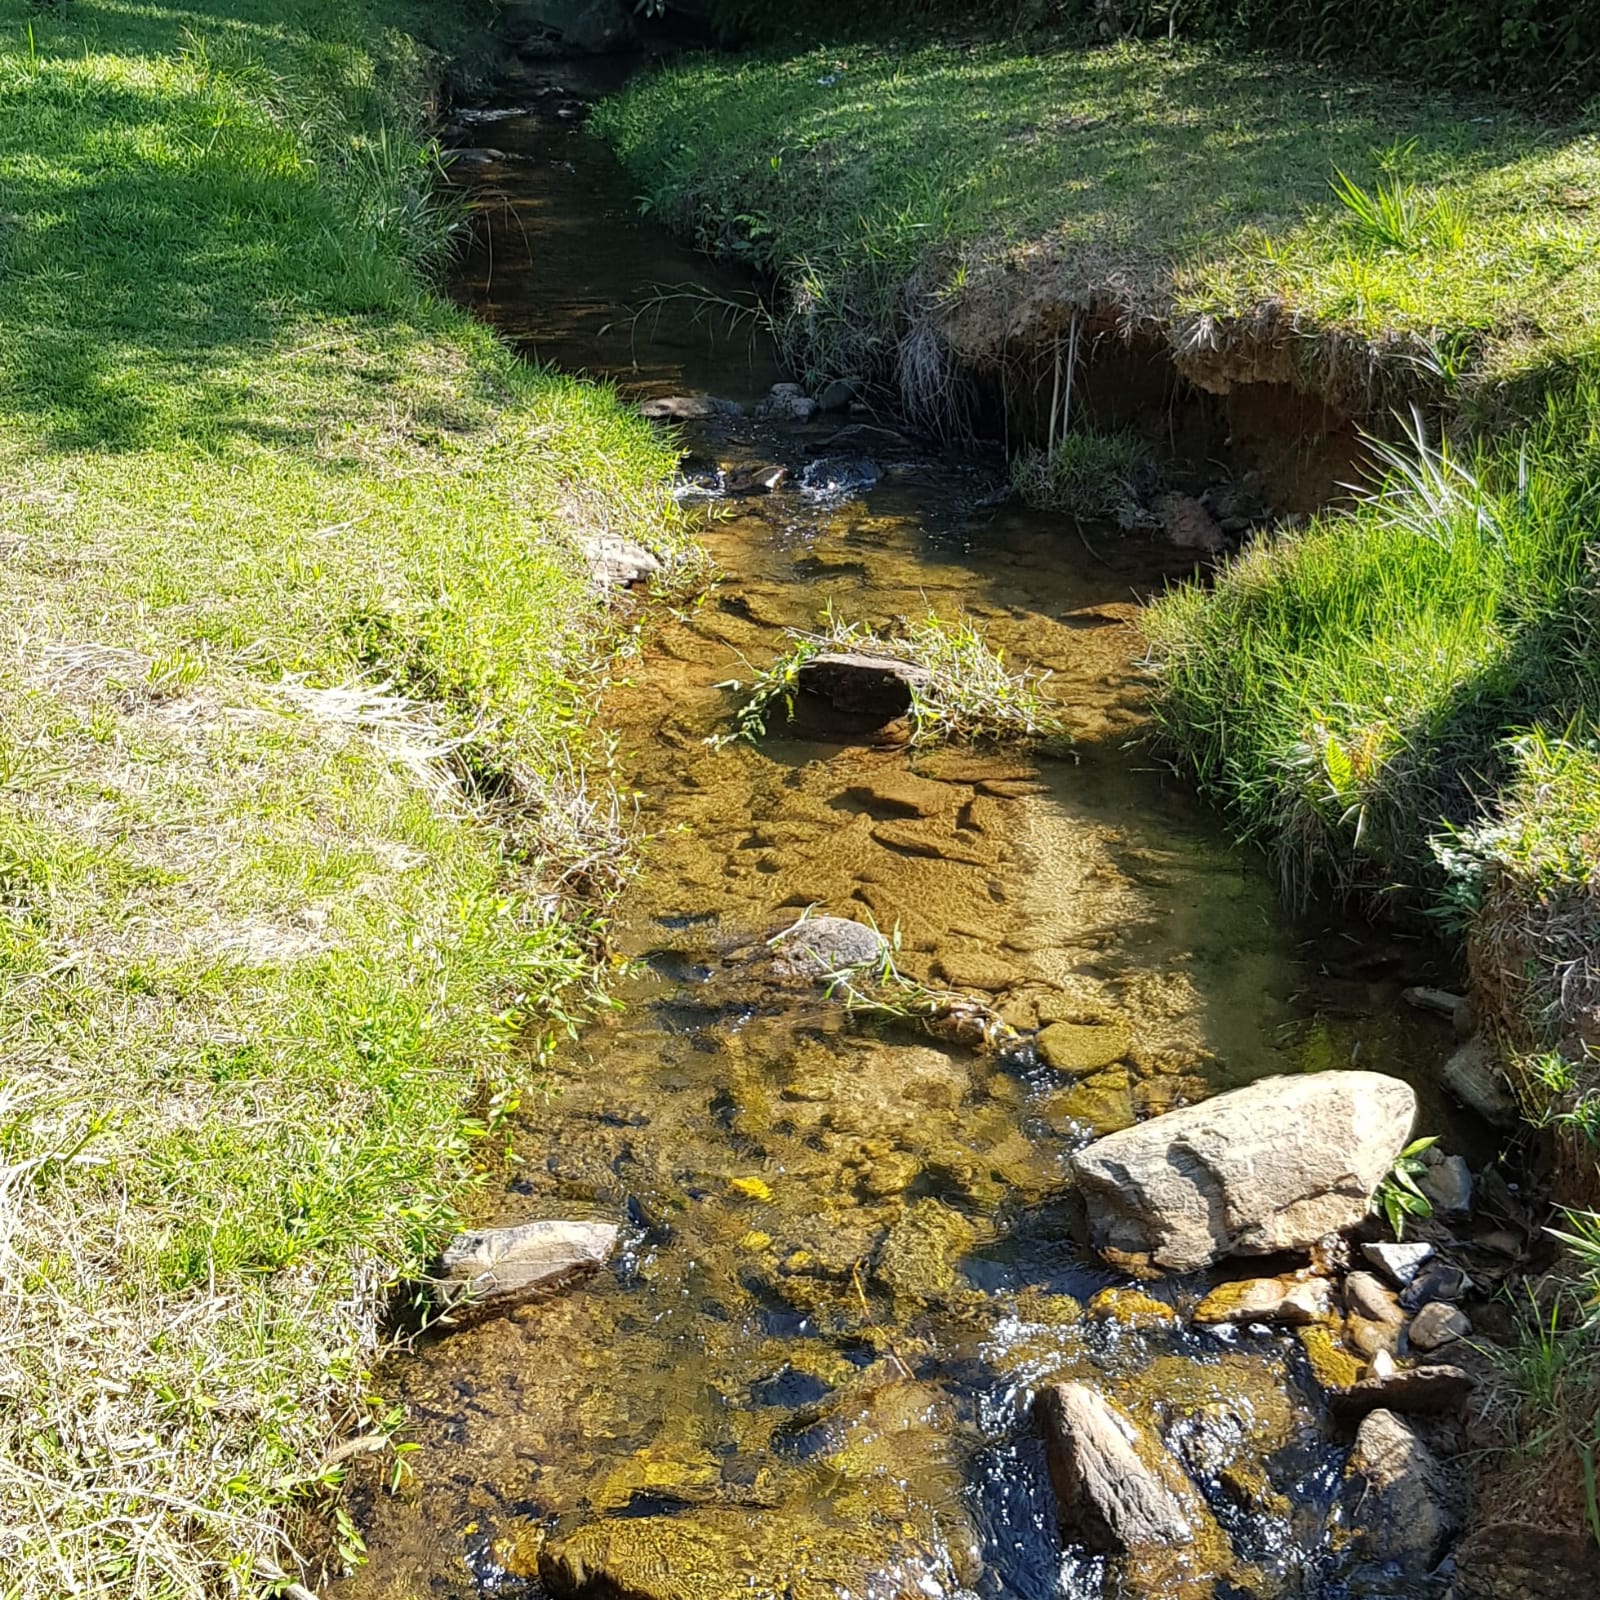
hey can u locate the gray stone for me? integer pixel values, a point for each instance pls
(1437, 1324)
(1395, 1499)
(474, 156)
(1448, 1184)
(1399, 1263)
(1443, 1280)
(1426, 1390)
(497, 1264)
(868, 685)
(837, 395)
(617, 563)
(787, 402)
(1365, 1296)
(1273, 1166)
(1118, 1490)
(600, 28)
(689, 408)
(819, 947)
(1473, 1076)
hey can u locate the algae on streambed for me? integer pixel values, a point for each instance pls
(849, 1257)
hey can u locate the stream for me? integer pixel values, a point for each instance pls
(849, 1253)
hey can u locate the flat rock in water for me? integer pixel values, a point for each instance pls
(903, 794)
(496, 1264)
(1395, 1499)
(819, 947)
(689, 408)
(1118, 1490)
(1273, 1166)
(862, 684)
(1084, 1047)
(1473, 1076)
(1399, 1263)
(1426, 1390)
(1278, 1302)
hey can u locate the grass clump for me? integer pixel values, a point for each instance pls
(967, 692)
(1350, 690)
(292, 665)
(1088, 475)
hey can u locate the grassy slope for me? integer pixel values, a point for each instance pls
(280, 532)
(1177, 182)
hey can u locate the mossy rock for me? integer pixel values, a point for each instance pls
(1334, 1368)
(1132, 1308)
(1084, 1047)
(1103, 1103)
(918, 1256)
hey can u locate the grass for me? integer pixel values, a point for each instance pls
(1088, 475)
(895, 189)
(969, 695)
(293, 678)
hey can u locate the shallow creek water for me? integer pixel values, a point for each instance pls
(849, 1253)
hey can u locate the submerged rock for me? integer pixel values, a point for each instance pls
(499, 1264)
(1119, 1491)
(819, 947)
(1081, 1047)
(864, 685)
(1395, 1499)
(1273, 1166)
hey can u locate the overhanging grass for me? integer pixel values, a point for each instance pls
(291, 652)
(1174, 182)
(1349, 690)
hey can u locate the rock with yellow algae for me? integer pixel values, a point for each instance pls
(1132, 1308)
(1277, 1302)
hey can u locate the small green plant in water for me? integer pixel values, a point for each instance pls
(968, 693)
(1096, 477)
(1398, 1196)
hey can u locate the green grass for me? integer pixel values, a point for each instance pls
(1175, 184)
(294, 647)
(1088, 475)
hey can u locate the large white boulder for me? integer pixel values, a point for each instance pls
(1270, 1167)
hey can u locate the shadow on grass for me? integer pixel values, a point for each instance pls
(168, 224)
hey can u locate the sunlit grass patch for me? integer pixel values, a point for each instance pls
(296, 650)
